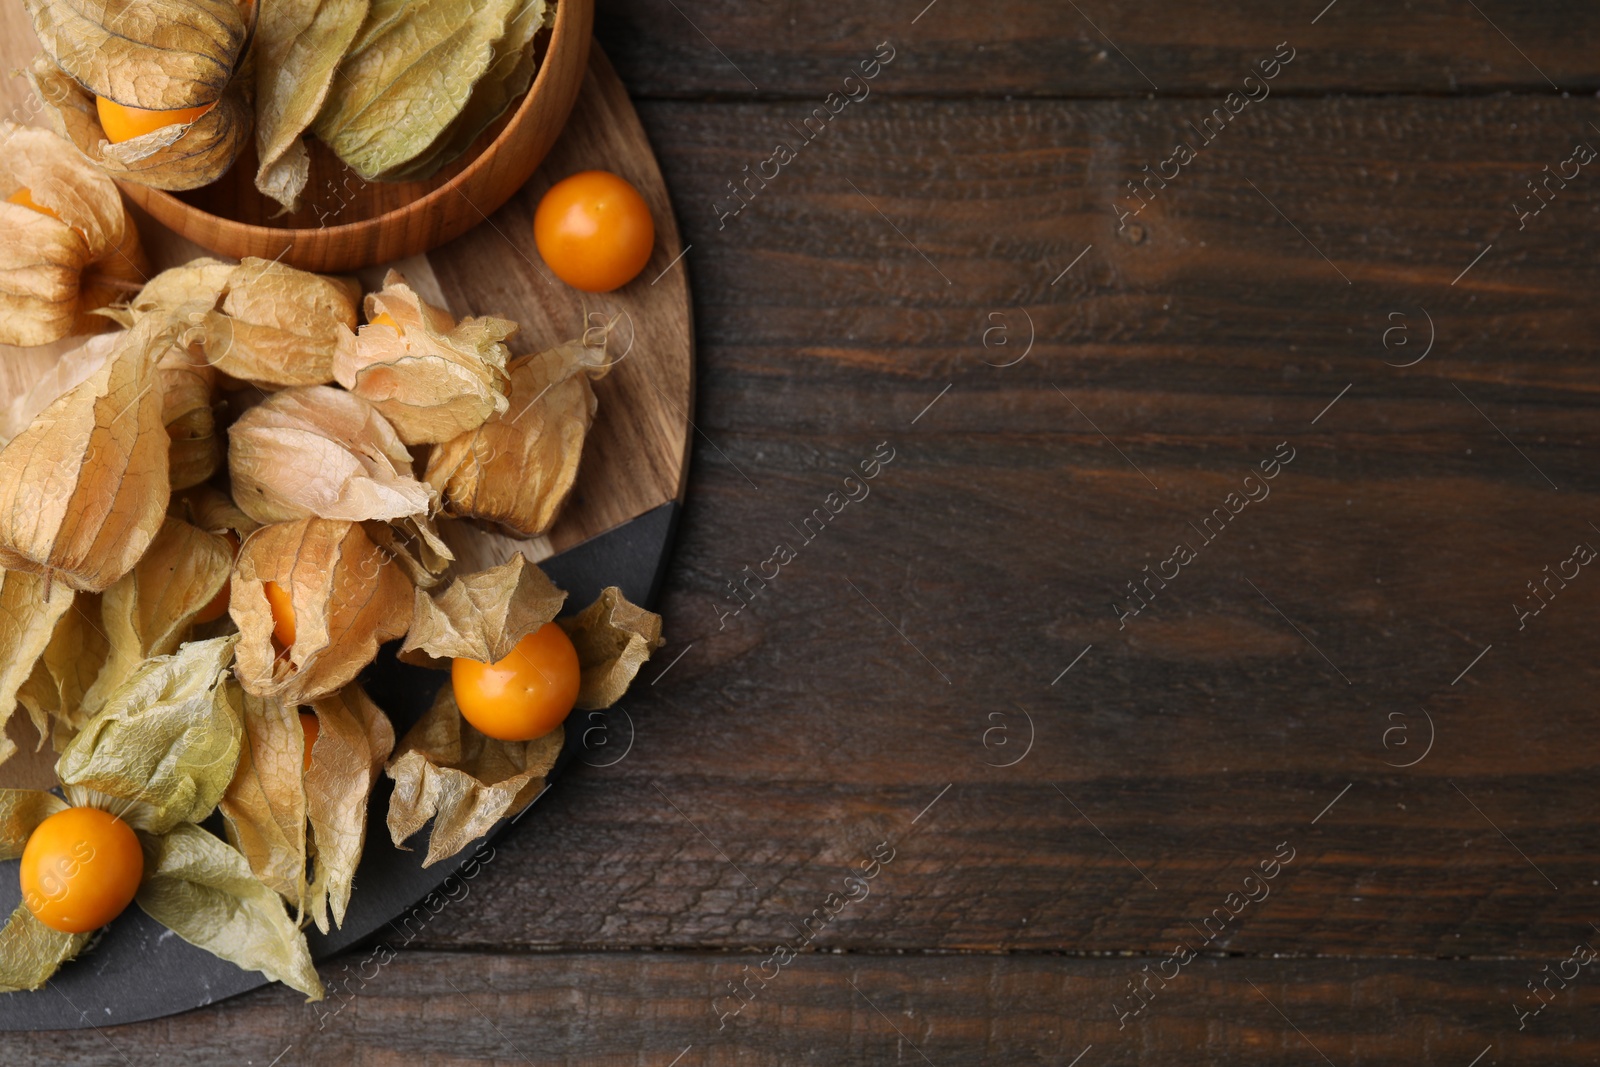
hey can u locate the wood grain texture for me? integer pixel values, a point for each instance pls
(863, 296)
(841, 1011)
(1100, 48)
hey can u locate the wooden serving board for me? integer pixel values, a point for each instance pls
(616, 525)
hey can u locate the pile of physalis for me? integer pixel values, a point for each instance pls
(211, 517)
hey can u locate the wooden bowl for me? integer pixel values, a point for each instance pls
(346, 223)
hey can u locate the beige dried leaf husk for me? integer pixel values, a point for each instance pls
(28, 618)
(30, 951)
(277, 325)
(151, 54)
(54, 272)
(614, 638)
(406, 77)
(188, 385)
(298, 45)
(149, 611)
(54, 692)
(84, 488)
(445, 770)
(178, 157)
(354, 740)
(349, 596)
(509, 75)
(163, 749)
(433, 378)
(416, 545)
(517, 469)
(264, 809)
(214, 511)
(70, 369)
(195, 287)
(316, 451)
(481, 616)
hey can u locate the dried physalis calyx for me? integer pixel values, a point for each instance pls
(173, 149)
(406, 78)
(317, 451)
(84, 488)
(448, 770)
(188, 385)
(517, 469)
(298, 45)
(67, 243)
(273, 324)
(432, 377)
(154, 91)
(313, 600)
(300, 793)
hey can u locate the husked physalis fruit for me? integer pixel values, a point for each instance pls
(311, 728)
(122, 123)
(525, 695)
(282, 613)
(219, 603)
(80, 869)
(594, 231)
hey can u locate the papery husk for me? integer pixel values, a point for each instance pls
(202, 889)
(54, 272)
(265, 806)
(406, 77)
(54, 692)
(481, 616)
(353, 741)
(194, 287)
(84, 488)
(298, 46)
(177, 157)
(445, 770)
(215, 512)
(614, 638)
(509, 75)
(144, 53)
(188, 383)
(28, 618)
(416, 544)
(517, 469)
(277, 325)
(163, 749)
(30, 951)
(316, 451)
(68, 371)
(149, 610)
(349, 596)
(432, 378)
(21, 812)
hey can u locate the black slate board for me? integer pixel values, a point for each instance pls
(138, 969)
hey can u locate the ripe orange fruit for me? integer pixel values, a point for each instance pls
(282, 613)
(525, 695)
(80, 868)
(594, 231)
(219, 603)
(24, 196)
(122, 123)
(312, 727)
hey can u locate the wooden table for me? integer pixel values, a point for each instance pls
(1339, 701)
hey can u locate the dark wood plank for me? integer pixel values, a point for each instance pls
(1211, 728)
(604, 1009)
(1099, 48)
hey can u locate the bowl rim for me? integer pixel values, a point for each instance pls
(560, 34)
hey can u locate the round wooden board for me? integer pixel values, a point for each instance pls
(616, 527)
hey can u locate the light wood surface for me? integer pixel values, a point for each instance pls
(345, 223)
